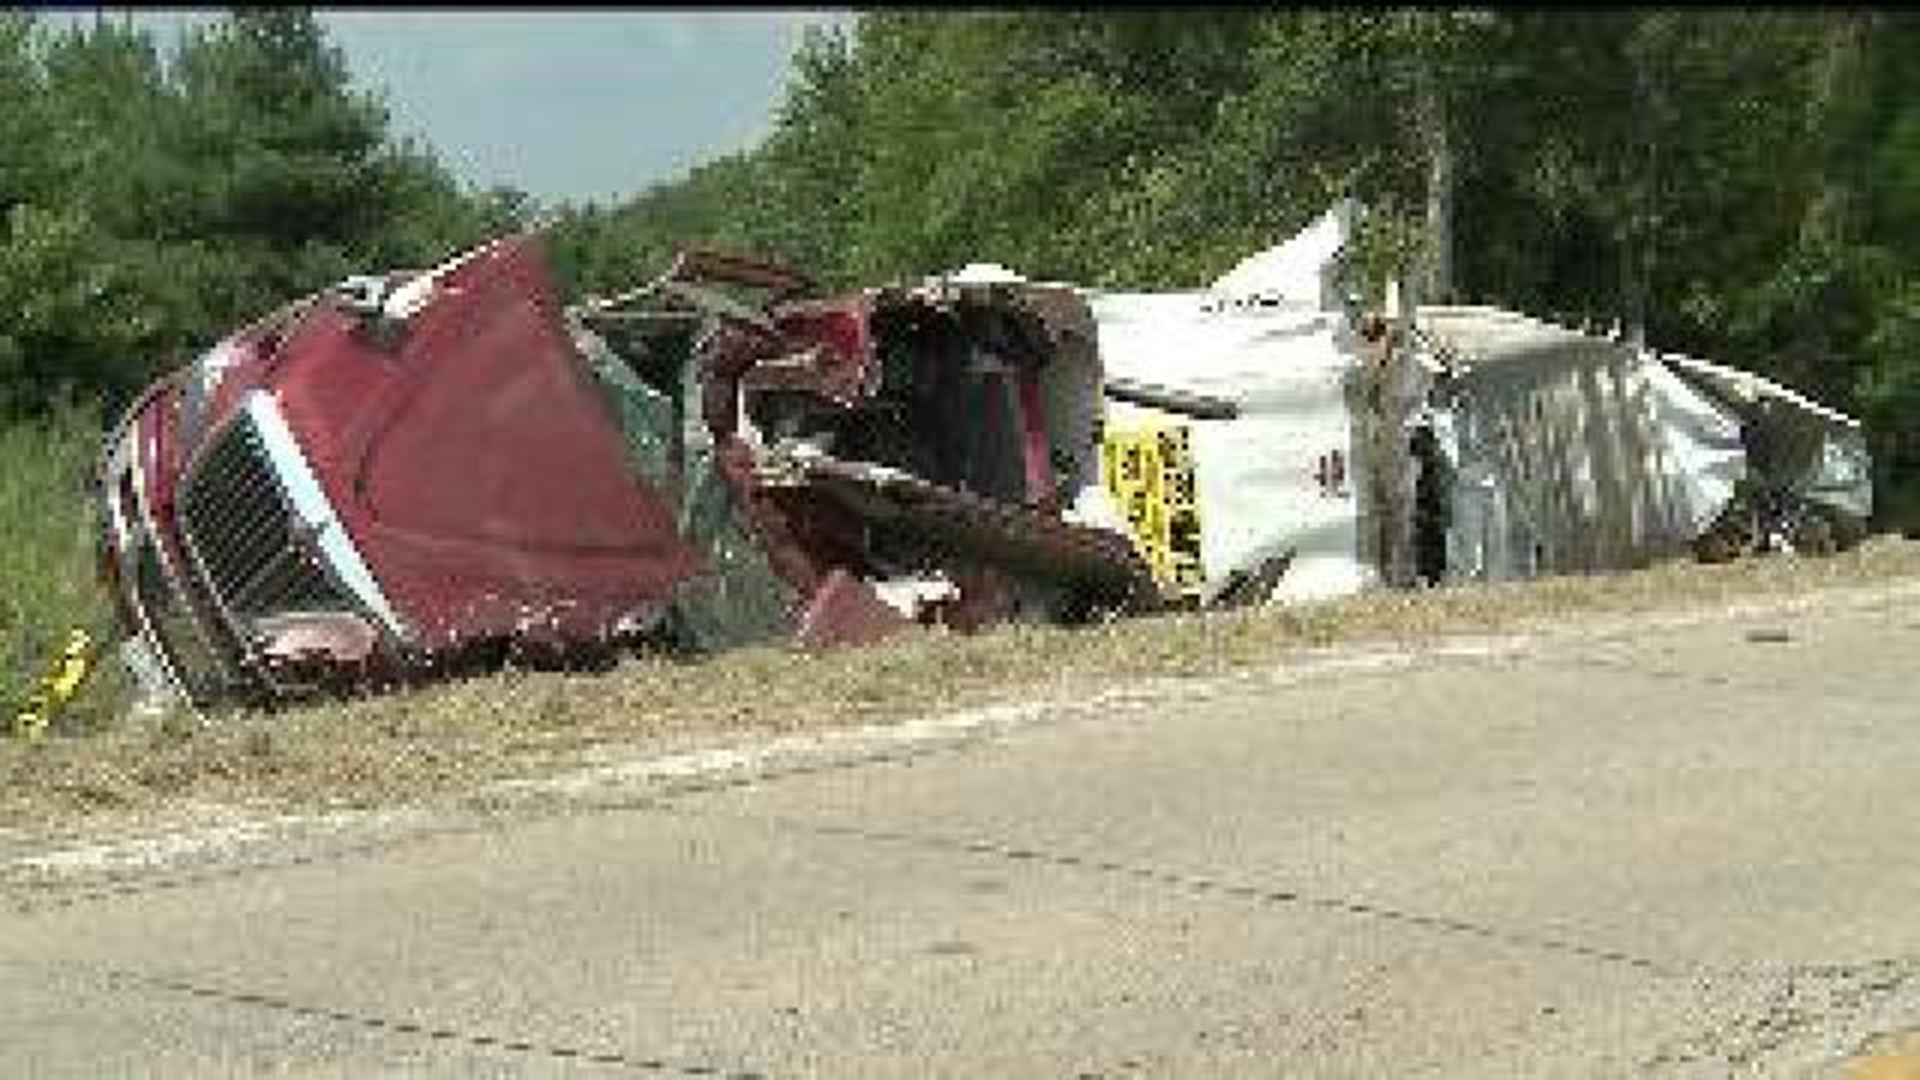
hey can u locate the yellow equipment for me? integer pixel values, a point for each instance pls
(1150, 474)
(57, 687)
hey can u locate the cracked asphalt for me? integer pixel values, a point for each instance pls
(1686, 851)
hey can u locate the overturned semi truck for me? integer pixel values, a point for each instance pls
(418, 473)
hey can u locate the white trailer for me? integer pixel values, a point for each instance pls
(1441, 443)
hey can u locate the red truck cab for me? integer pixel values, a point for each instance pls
(414, 471)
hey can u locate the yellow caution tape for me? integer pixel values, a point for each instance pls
(57, 687)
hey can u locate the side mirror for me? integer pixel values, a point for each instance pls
(363, 294)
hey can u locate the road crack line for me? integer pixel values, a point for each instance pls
(1208, 885)
(205, 990)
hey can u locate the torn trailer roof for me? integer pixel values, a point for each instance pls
(418, 473)
(1432, 444)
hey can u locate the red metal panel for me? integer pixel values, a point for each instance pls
(473, 463)
(845, 611)
(1033, 421)
(838, 334)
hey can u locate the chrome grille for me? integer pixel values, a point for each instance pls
(241, 530)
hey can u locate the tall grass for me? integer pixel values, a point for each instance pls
(47, 583)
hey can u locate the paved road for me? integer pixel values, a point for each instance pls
(1673, 852)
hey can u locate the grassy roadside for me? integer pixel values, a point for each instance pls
(47, 582)
(450, 738)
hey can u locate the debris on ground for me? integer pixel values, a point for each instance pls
(57, 686)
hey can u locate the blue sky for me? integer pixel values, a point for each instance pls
(581, 104)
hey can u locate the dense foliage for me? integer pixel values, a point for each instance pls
(150, 203)
(1745, 185)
